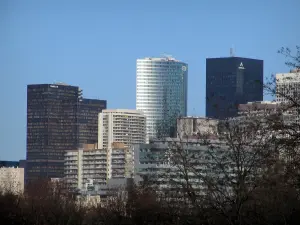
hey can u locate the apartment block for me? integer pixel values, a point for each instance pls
(122, 126)
(90, 167)
(153, 161)
(83, 165)
(120, 160)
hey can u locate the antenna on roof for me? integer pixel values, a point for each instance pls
(231, 52)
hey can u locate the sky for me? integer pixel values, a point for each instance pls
(95, 44)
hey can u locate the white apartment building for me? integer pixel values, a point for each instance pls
(162, 162)
(86, 169)
(12, 180)
(82, 166)
(122, 126)
(161, 93)
(154, 160)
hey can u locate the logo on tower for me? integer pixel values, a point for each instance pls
(183, 68)
(241, 66)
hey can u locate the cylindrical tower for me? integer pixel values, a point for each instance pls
(161, 93)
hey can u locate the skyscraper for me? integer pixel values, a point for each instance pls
(161, 93)
(88, 120)
(232, 81)
(55, 122)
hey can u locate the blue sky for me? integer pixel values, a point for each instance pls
(95, 44)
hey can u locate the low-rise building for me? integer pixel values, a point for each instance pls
(85, 164)
(120, 160)
(11, 179)
(162, 161)
(194, 127)
(91, 167)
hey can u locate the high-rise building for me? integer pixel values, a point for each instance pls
(121, 125)
(56, 121)
(88, 120)
(161, 93)
(231, 81)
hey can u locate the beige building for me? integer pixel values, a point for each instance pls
(88, 168)
(120, 160)
(12, 180)
(83, 165)
(121, 125)
(288, 86)
(192, 127)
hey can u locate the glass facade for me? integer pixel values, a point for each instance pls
(55, 122)
(51, 128)
(161, 93)
(232, 81)
(88, 120)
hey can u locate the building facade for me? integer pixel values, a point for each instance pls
(81, 166)
(160, 162)
(120, 161)
(288, 86)
(161, 93)
(51, 128)
(195, 127)
(90, 167)
(58, 119)
(11, 180)
(121, 125)
(231, 81)
(88, 120)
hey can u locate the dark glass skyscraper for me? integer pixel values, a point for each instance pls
(88, 120)
(232, 81)
(55, 123)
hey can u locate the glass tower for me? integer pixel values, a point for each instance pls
(231, 81)
(161, 93)
(58, 119)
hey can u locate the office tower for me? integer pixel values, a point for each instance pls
(121, 125)
(161, 93)
(232, 81)
(88, 120)
(56, 121)
(288, 86)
